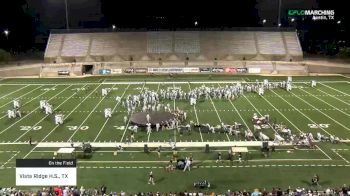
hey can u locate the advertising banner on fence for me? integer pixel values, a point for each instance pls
(128, 70)
(63, 72)
(104, 71)
(217, 69)
(191, 69)
(254, 70)
(116, 71)
(204, 70)
(166, 70)
(241, 70)
(46, 172)
(230, 70)
(140, 70)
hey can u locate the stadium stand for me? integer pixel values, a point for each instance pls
(75, 45)
(243, 43)
(173, 46)
(186, 42)
(270, 43)
(54, 45)
(159, 42)
(104, 44)
(292, 43)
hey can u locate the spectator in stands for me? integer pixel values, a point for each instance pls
(256, 193)
(344, 189)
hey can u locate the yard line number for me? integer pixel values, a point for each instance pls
(27, 128)
(74, 128)
(315, 126)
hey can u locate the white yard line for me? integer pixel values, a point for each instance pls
(23, 116)
(323, 152)
(321, 112)
(64, 119)
(174, 110)
(234, 107)
(294, 124)
(263, 160)
(300, 112)
(258, 112)
(175, 98)
(334, 97)
(195, 112)
(45, 115)
(335, 89)
(326, 103)
(104, 124)
(152, 82)
(13, 92)
(216, 111)
(20, 97)
(2, 166)
(149, 134)
(127, 125)
(340, 156)
(88, 116)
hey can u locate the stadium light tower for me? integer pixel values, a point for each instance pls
(67, 23)
(6, 32)
(279, 12)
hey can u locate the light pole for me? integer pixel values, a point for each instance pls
(67, 23)
(279, 12)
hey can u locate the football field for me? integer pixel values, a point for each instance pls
(323, 109)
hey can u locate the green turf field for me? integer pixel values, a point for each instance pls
(324, 109)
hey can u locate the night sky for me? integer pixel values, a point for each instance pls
(29, 21)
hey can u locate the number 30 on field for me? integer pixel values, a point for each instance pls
(315, 126)
(73, 128)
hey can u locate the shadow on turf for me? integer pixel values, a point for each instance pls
(322, 184)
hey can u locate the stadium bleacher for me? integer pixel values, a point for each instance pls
(243, 43)
(54, 45)
(173, 46)
(292, 43)
(270, 43)
(186, 42)
(75, 45)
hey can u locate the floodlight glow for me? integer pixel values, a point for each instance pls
(264, 21)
